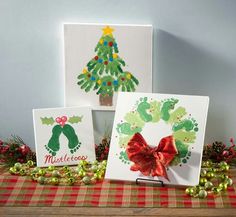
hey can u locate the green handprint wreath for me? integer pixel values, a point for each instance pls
(53, 145)
(184, 127)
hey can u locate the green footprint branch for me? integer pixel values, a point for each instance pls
(62, 125)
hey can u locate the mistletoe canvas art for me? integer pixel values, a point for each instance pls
(159, 137)
(60, 136)
(101, 60)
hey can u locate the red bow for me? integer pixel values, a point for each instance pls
(148, 160)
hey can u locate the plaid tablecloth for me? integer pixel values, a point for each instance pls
(21, 191)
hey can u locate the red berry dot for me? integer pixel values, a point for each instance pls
(89, 75)
(110, 43)
(96, 57)
(58, 120)
(62, 123)
(108, 83)
(64, 118)
(105, 62)
(122, 79)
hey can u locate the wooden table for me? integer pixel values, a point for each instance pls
(88, 211)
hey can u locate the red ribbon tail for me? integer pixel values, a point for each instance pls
(160, 170)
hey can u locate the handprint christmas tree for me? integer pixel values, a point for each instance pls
(104, 73)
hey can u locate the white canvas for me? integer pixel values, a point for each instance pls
(156, 116)
(63, 136)
(134, 43)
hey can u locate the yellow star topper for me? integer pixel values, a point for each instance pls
(107, 31)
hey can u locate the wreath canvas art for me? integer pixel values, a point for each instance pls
(61, 136)
(158, 137)
(101, 60)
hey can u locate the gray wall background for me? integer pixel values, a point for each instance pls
(194, 52)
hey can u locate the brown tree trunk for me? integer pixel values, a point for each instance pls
(105, 100)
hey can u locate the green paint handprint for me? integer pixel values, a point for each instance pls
(53, 145)
(187, 124)
(142, 110)
(177, 114)
(134, 119)
(182, 148)
(127, 129)
(155, 111)
(182, 153)
(183, 136)
(73, 141)
(123, 141)
(168, 105)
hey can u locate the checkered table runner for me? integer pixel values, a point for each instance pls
(21, 191)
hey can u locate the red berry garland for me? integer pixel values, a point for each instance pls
(15, 150)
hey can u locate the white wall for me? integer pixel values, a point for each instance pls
(194, 53)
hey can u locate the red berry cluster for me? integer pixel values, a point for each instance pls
(61, 120)
(11, 153)
(218, 151)
(102, 150)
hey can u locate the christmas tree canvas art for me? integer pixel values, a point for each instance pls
(104, 72)
(60, 136)
(101, 60)
(158, 137)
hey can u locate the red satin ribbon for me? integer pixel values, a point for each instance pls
(148, 160)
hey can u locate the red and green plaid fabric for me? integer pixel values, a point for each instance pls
(21, 191)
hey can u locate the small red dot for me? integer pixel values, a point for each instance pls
(89, 75)
(109, 83)
(110, 43)
(122, 79)
(96, 57)
(105, 62)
